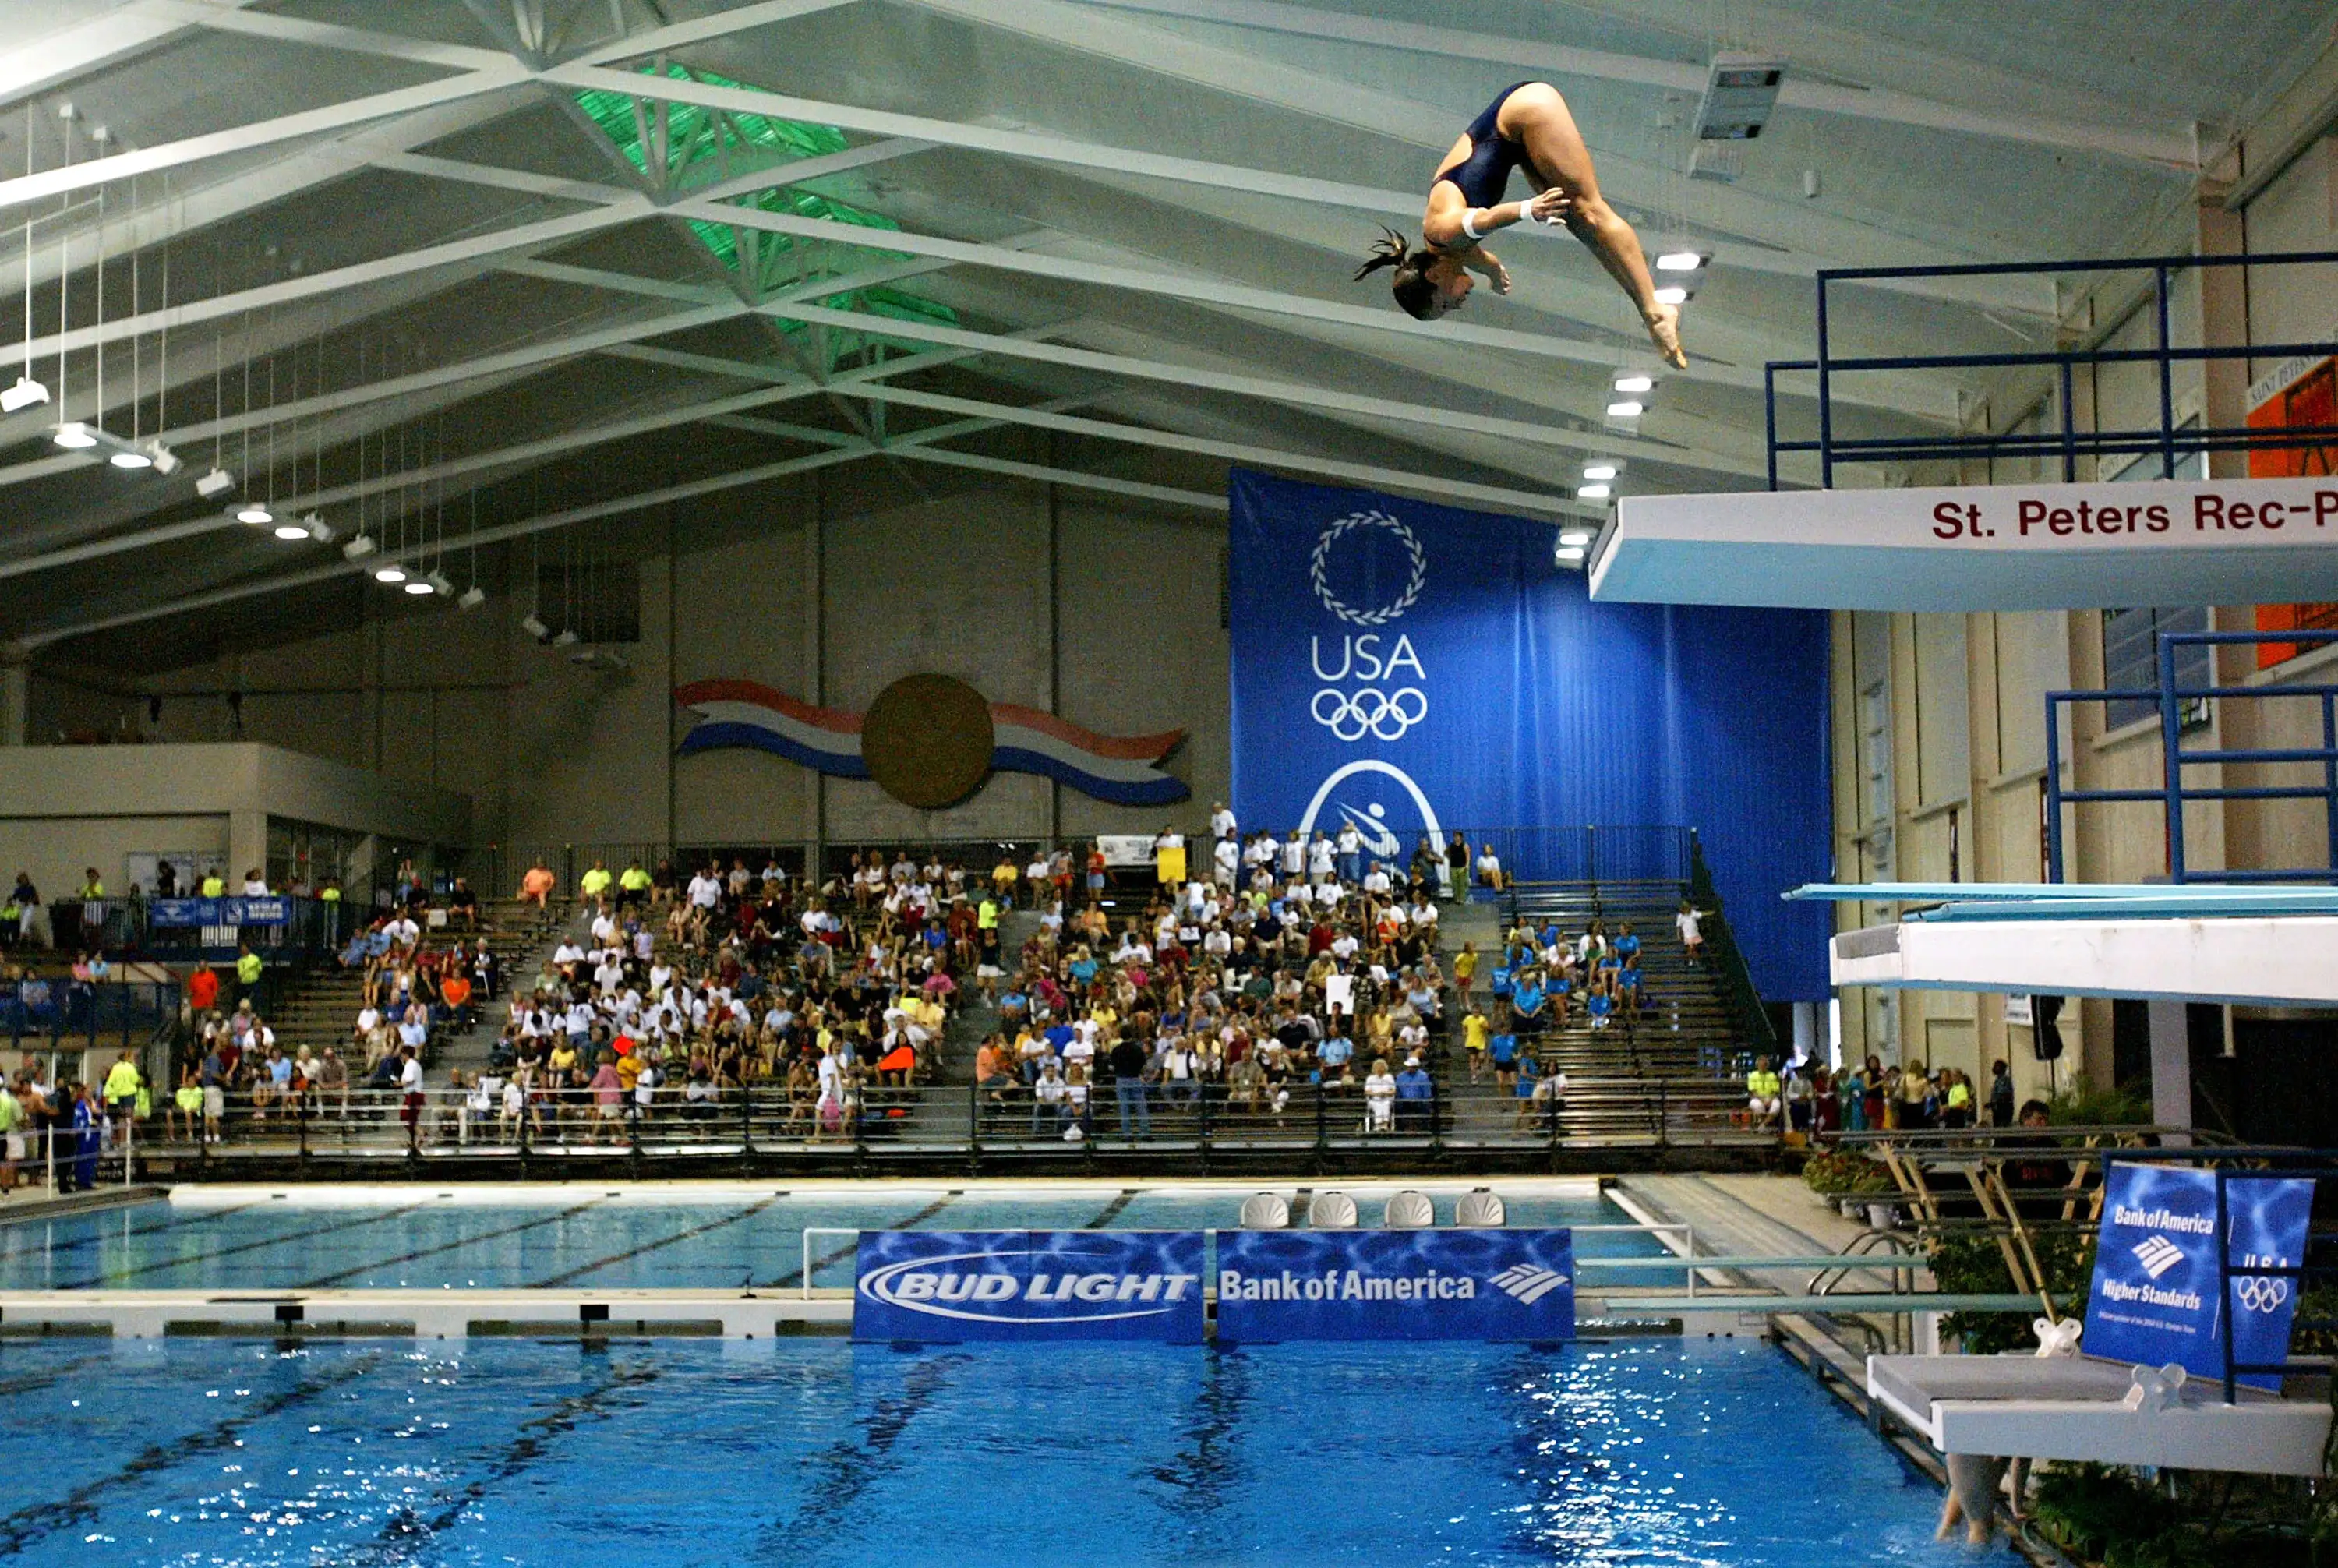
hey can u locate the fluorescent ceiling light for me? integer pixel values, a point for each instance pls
(389, 571)
(316, 528)
(439, 583)
(218, 482)
(1572, 552)
(1671, 294)
(1633, 381)
(567, 637)
(1679, 261)
(131, 460)
(1575, 539)
(1599, 470)
(291, 530)
(253, 513)
(75, 436)
(534, 627)
(1626, 409)
(471, 598)
(23, 395)
(1594, 493)
(359, 547)
(417, 586)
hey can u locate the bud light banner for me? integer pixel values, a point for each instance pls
(951, 1286)
(1277, 1285)
(2154, 1294)
(1404, 667)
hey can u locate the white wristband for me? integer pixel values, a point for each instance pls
(1469, 227)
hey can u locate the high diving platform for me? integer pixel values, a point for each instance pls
(2263, 946)
(2099, 516)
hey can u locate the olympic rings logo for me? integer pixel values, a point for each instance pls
(1369, 711)
(2258, 1293)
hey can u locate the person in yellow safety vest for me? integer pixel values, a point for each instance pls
(633, 885)
(1762, 1093)
(122, 1085)
(248, 971)
(595, 882)
(215, 884)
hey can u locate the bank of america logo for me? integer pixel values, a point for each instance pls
(1530, 1282)
(2157, 1255)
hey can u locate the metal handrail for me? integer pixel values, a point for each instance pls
(1823, 1282)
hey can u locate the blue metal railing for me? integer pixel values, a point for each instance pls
(2165, 438)
(2170, 698)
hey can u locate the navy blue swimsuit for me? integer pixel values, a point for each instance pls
(1484, 176)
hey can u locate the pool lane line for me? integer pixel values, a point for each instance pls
(324, 1281)
(113, 1280)
(530, 1444)
(796, 1273)
(29, 1526)
(33, 1382)
(570, 1276)
(169, 1222)
(853, 1467)
(1112, 1211)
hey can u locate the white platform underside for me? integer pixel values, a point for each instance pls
(2286, 961)
(1882, 549)
(2071, 1409)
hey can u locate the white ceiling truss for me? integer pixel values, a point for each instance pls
(1142, 209)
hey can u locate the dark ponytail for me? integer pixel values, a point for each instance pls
(1410, 282)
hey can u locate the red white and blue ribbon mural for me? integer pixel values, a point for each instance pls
(1119, 769)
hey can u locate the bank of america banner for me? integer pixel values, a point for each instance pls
(1281, 1285)
(1403, 667)
(951, 1287)
(2154, 1297)
(252, 911)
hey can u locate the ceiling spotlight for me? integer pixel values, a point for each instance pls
(253, 513)
(1627, 409)
(1679, 261)
(534, 627)
(1571, 553)
(1633, 381)
(417, 586)
(291, 530)
(23, 395)
(359, 547)
(389, 571)
(1599, 470)
(316, 528)
(75, 436)
(218, 482)
(566, 637)
(1594, 492)
(471, 598)
(1574, 538)
(130, 459)
(439, 582)
(1671, 294)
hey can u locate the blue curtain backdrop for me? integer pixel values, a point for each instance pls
(1396, 662)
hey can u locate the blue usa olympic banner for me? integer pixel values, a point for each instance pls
(952, 1287)
(1278, 1285)
(1404, 667)
(252, 911)
(2154, 1295)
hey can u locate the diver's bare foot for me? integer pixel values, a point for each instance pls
(1664, 328)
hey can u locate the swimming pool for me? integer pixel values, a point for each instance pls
(683, 1236)
(684, 1452)
(630, 1237)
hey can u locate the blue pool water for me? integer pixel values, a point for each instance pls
(606, 1238)
(684, 1453)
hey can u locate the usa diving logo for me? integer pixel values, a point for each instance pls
(1389, 820)
(1528, 1282)
(2157, 1255)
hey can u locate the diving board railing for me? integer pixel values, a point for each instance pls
(2167, 438)
(2171, 697)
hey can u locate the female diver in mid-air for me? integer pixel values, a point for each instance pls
(1527, 128)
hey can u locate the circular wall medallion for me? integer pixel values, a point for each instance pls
(927, 740)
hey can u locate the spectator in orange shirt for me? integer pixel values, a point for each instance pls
(536, 886)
